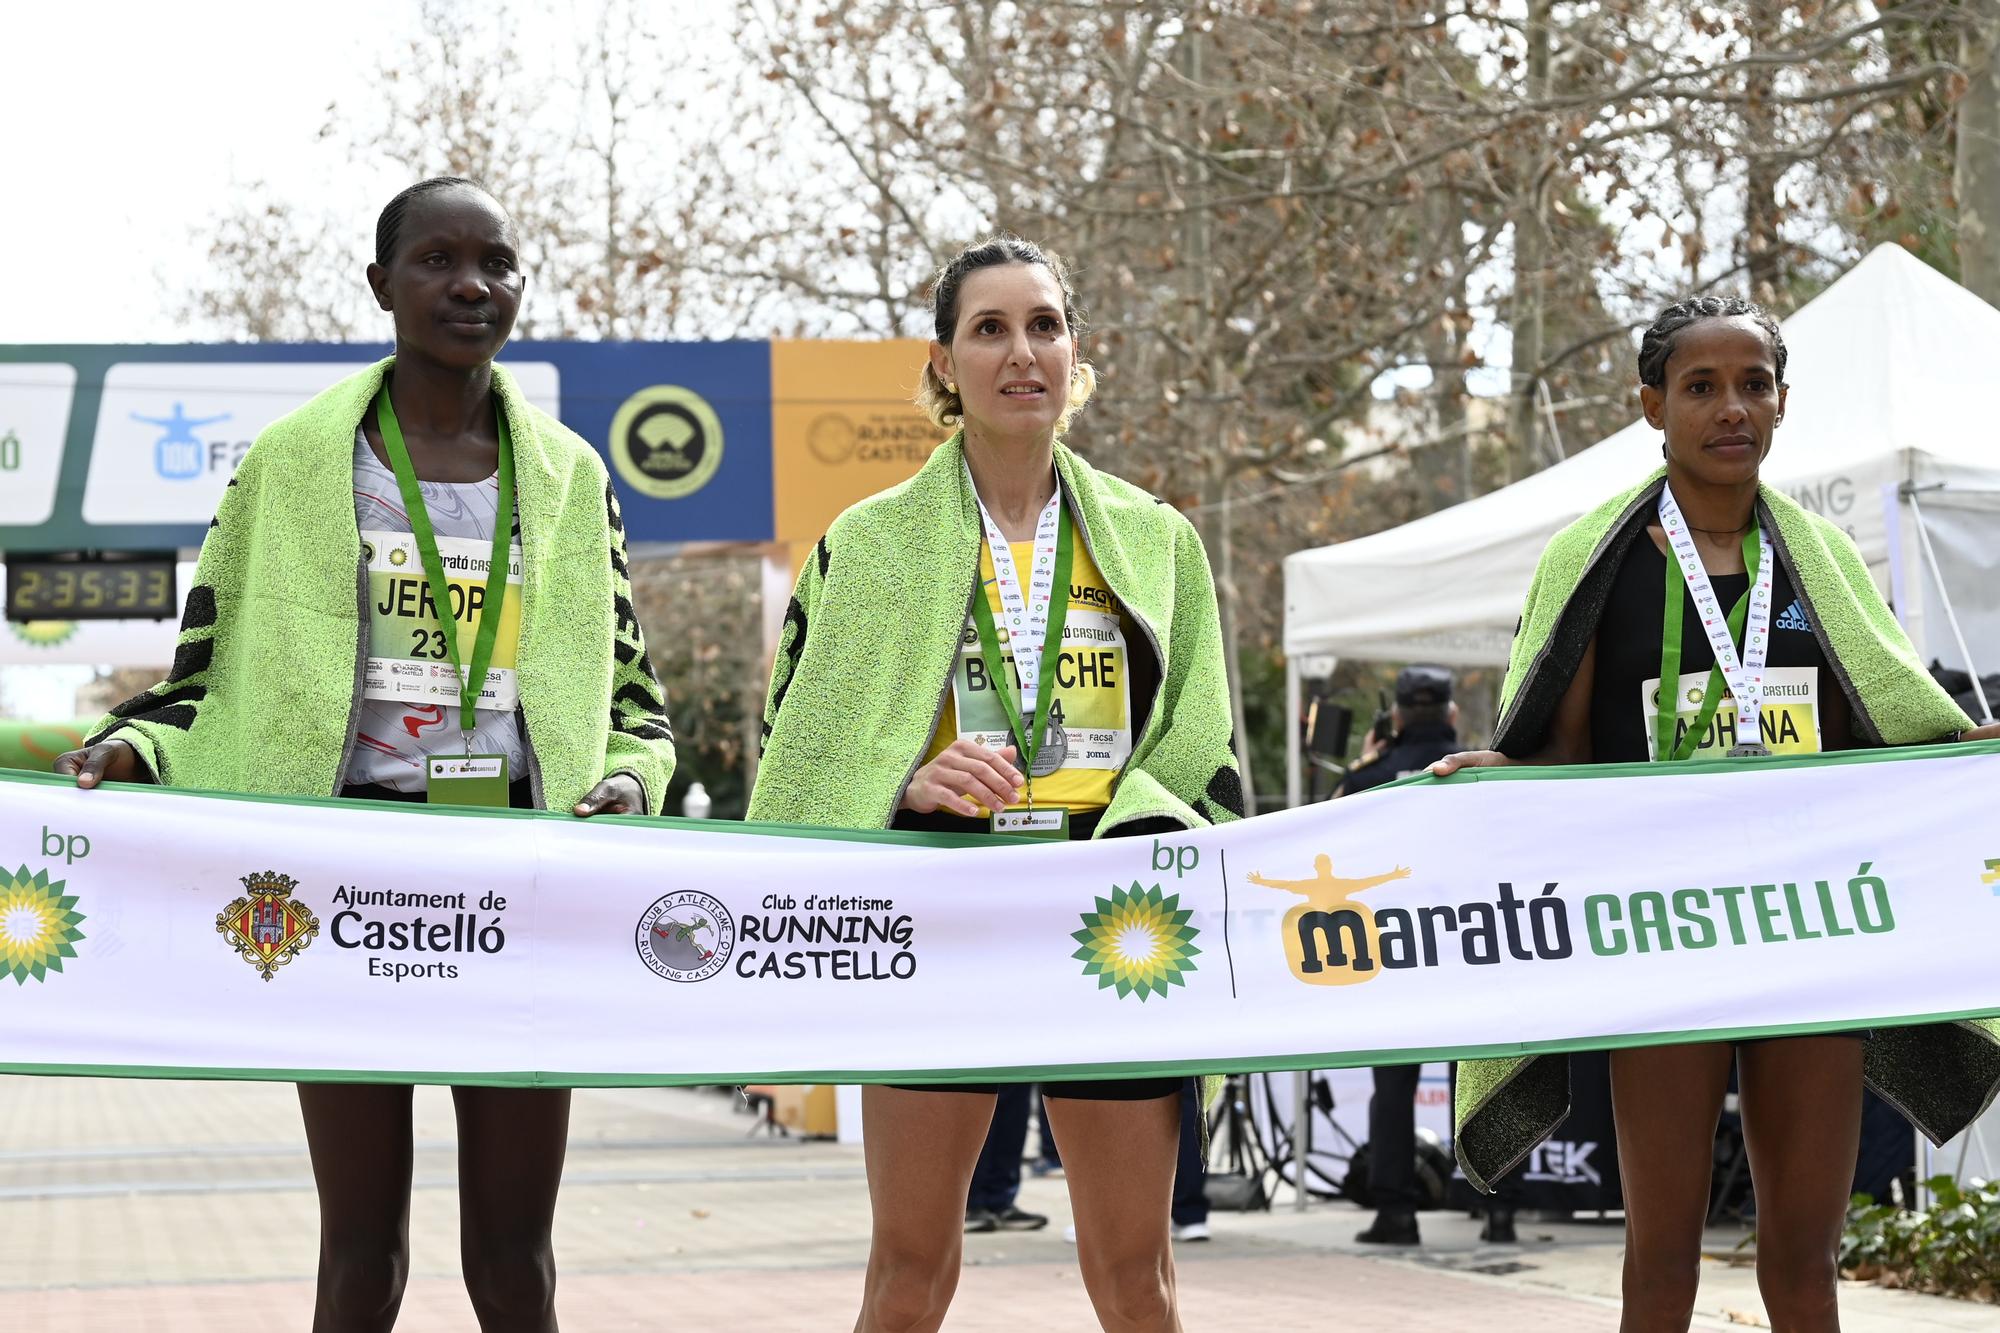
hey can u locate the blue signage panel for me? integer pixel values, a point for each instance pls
(685, 428)
(130, 447)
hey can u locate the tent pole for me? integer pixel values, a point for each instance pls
(1950, 616)
(1294, 704)
(1892, 531)
(1301, 1108)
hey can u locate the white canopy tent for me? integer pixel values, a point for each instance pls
(1888, 431)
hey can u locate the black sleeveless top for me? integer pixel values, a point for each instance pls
(1628, 649)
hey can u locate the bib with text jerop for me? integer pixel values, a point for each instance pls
(444, 630)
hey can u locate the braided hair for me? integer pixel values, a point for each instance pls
(1658, 344)
(389, 227)
(942, 404)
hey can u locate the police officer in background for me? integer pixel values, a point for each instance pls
(1422, 728)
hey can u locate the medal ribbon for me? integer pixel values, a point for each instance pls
(1034, 621)
(472, 675)
(1745, 676)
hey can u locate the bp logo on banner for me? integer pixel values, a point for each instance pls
(686, 936)
(37, 925)
(1138, 941)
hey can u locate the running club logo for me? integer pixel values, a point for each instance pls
(37, 925)
(1137, 941)
(267, 926)
(666, 442)
(831, 439)
(686, 936)
(1331, 938)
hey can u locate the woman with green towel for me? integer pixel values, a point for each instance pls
(319, 578)
(895, 702)
(1812, 661)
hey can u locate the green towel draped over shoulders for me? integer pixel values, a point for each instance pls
(874, 626)
(267, 667)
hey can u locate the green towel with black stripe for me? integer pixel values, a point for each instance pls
(874, 626)
(267, 668)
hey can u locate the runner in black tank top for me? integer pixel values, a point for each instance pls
(1712, 373)
(1628, 661)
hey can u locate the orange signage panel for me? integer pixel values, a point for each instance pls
(843, 427)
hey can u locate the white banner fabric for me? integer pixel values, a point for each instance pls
(1516, 910)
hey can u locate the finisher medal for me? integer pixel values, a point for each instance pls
(1035, 619)
(1054, 750)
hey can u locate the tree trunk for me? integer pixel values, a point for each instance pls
(1531, 249)
(1215, 490)
(1763, 251)
(1976, 180)
(1442, 469)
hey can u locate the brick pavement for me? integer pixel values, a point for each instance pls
(1271, 1295)
(183, 1206)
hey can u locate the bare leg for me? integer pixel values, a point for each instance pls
(510, 1158)
(920, 1148)
(1119, 1157)
(1666, 1100)
(359, 1138)
(1802, 1125)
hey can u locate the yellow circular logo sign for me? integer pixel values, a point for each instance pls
(666, 442)
(832, 438)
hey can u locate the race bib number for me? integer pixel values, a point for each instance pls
(1092, 701)
(1789, 723)
(409, 660)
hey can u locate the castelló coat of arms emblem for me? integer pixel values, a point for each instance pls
(267, 926)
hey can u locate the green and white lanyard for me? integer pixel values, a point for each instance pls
(1748, 621)
(1034, 631)
(472, 674)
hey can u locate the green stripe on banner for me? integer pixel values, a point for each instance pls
(1695, 767)
(1507, 773)
(876, 836)
(1000, 1073)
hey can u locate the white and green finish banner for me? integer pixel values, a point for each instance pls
(153, 932)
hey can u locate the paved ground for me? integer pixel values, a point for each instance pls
(188, 1206)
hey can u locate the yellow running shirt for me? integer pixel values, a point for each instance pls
(1093, 701)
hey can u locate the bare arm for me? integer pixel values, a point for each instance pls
(1568, 739)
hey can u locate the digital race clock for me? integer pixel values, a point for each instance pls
(91, 588)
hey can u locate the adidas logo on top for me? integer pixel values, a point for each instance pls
(1794, 617)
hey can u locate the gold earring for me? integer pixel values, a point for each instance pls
(951, 386)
